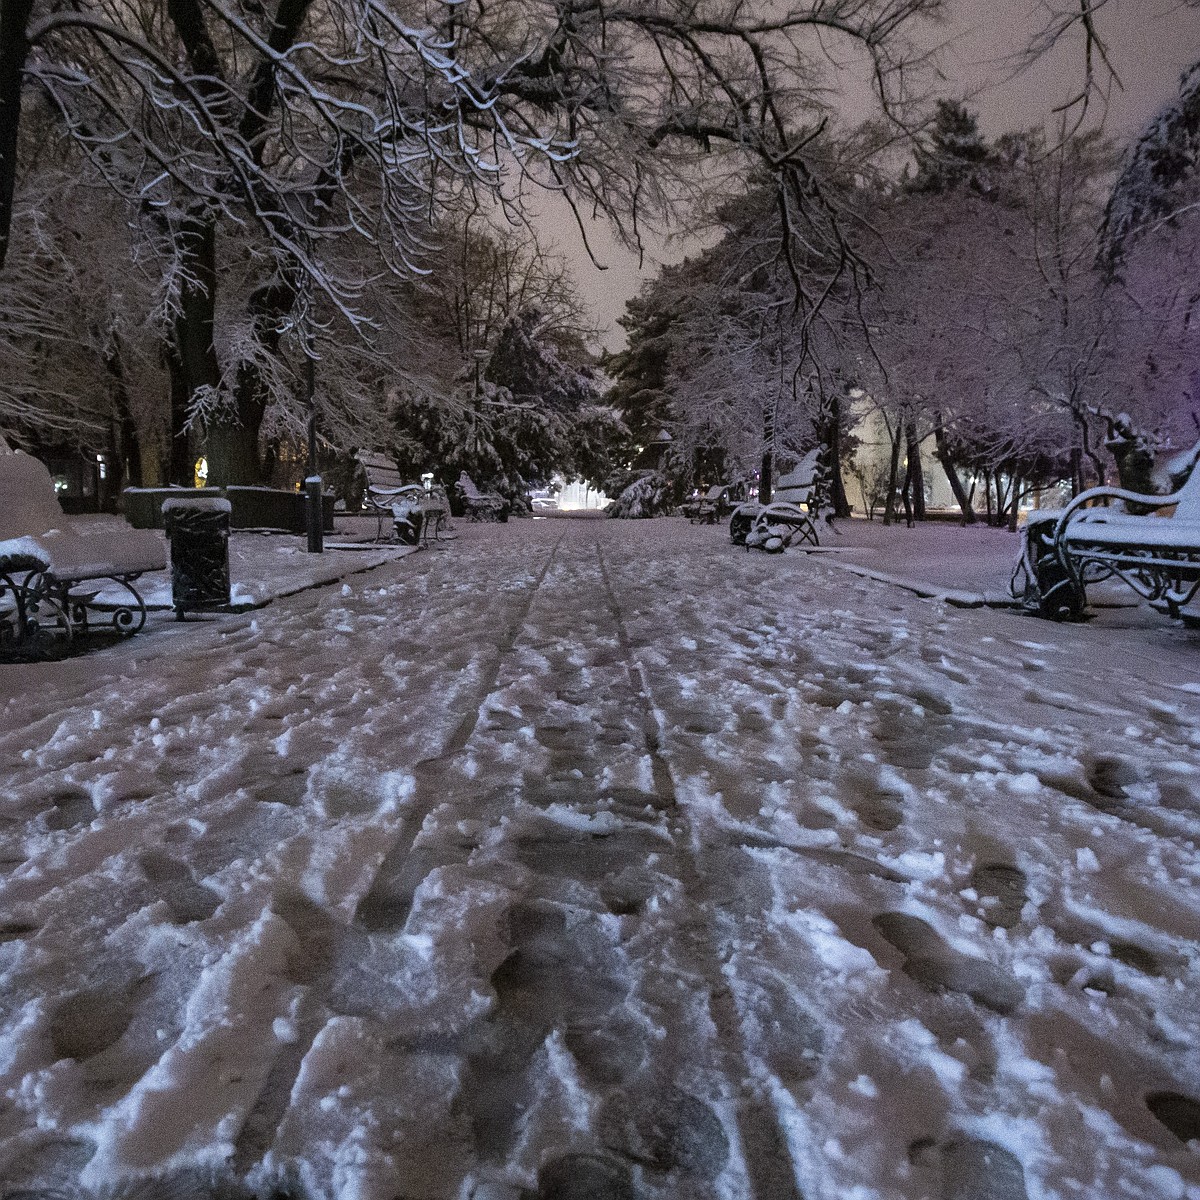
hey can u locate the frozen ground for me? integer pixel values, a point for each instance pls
(598, 859)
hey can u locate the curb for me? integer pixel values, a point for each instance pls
(929, 591)
(254, 605)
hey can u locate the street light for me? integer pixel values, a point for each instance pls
(312, 482)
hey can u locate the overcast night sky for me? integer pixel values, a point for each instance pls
(1150, 42)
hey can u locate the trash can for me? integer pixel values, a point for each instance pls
(198, 530)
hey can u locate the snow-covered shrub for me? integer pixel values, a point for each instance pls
(651, 494)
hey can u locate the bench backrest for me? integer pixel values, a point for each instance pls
(796, 486)
(381, 471)
(466, 485)
(1188, 508)
(715, 492)
(28, 502)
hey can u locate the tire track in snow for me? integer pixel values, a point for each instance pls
(380, 907)
(384, 906)
(764, 1141)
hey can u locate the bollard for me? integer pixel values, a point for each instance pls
(312, 515)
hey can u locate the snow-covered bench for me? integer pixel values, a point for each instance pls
(48, 567)
(788, 519)
(709, 508)
(1155, 551)
(480, 506)
(425, 511)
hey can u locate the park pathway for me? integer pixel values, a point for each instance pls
(590, 859)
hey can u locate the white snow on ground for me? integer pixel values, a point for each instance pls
(605, 859)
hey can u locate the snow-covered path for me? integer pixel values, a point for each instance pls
(591, 859)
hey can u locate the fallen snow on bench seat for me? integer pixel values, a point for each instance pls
(121, 552)
(1126, 529)
(23, 548)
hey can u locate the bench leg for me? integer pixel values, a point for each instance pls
(42, 616)
(1060, 594)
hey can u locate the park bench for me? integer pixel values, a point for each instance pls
(1151, 543)
(411, 506)
(51, 572)
(709, 508)
(480, 506)
(788, 519)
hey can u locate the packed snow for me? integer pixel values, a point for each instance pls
(605, 859)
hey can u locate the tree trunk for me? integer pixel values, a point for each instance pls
(1085, 441)
(233, 442)
(179, 468)
(1001, 500)
(14, 50)
(1014, 503)
(906, 493)
(943, 453)
(126, 443)
(889, 508)
(916, 475)
(270, 460)
(837, 485)
(194, 363)
(987, 495)
(764, 479)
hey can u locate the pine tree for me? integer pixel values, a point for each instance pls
(954, 153)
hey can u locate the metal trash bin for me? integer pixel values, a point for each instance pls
(198, 530)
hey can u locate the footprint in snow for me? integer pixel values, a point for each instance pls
(1176, 795)
(563, 973)
(790, 1040)
(1110, 777)
(87, 1023)
(665, 1131)
(909, 740)
(287, 789)
(567, 738)
(877, 806)
(188, 900)
(1137, 957)
(587, 857)
(935, 966)
(1180, 1114)
(973, 1169)
(47, 1170)
(583, 1177)
(385, 908)
(71, 808)
(611, 1051)
(1004, 885)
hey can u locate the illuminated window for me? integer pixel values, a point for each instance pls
(201, 471)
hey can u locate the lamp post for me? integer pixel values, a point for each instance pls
(312, 482)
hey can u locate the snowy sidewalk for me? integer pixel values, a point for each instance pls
(604, 859)
(265, 566)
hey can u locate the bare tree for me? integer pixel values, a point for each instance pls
(307, 123)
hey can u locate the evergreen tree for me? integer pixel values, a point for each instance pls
(954, 154)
